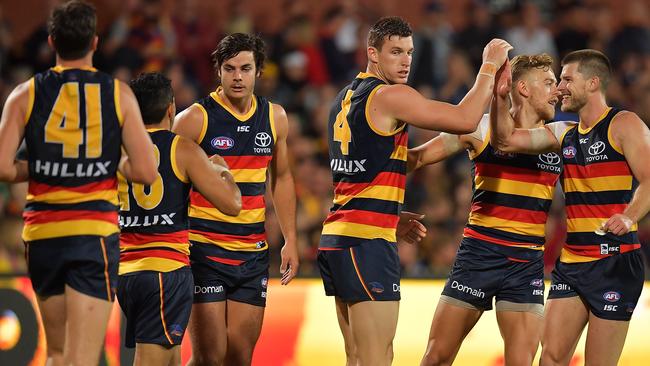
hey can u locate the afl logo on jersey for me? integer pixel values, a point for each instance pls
(569, 152)
(222, 143)
(596, 148)
(612, 296)
(550, 158)
(262, 139)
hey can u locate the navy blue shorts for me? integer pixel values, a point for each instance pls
(157, 306)
(87, 263)
(366, 272)
(610, 287)
(483, 271)
(221, 275)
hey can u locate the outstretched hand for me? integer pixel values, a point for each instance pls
(409, 229)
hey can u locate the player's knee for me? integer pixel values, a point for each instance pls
(437, 355)
(551, 357)
(207, 359)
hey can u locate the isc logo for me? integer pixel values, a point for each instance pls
(610, 307)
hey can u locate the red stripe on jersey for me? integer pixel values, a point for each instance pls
(593, 251)
(594, 211)
(253, 238)
(128, 256)
(134, 239)
(232, 262)
(247, 202)
(401, 139)
(382, 179)
(36, 188)
(476, 235)
(47, 216)
(612, 168)
(509, 213)
(364, 217)
(517, 174)
(247, 161)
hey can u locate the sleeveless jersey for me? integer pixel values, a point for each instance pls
(153, 218)
(598, 183)
(73, 138)
(368, 169)
(511, 196)
(246, 142)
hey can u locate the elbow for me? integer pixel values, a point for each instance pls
(234, 206)
(145, 176)
(6, 173)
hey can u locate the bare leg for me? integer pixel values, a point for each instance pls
(564, 321)
(374, 338)
(521, 332)
(605, 341)
(351, 358)
(244, 327)
(450, 326)
(207, 328)
(53, 313)
(153, 354)
(87, 319)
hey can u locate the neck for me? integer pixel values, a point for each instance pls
(525, 116)
(591, 112)
(373, 69)
(239, 105)
(163, 125)
(86, 61)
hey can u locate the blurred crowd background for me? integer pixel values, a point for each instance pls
(317, 46)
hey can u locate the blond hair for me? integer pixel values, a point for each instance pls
(522, 64)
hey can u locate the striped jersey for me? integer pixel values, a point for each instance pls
(246, 142)
(153, 218)
(73, 135)
(511, 195)
(598, 183)
(368, 169)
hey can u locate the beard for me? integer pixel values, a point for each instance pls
(576, 103)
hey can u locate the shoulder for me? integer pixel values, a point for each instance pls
(193, 113)
(626, 122)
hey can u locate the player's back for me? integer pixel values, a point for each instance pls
(153, 218)
(73, 139)
(368, 168)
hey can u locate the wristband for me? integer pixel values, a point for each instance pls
(488, 68)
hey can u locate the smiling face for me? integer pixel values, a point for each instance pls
(238, 75)
(543, 92)
(394, 58)
(572, 88)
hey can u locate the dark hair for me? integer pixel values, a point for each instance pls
(521, 64)
(591, 63)
(154, 94)
(72, 27)
(231, 45)
(387, 27)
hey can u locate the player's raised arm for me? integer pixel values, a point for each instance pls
(12, 129)
(210, 176)
(403, 103)
(505, 136)
(633, 137)
(140, 164)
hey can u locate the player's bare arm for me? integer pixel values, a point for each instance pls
(210, 177)
(400, 102)
(140, 165)
(284, 196)
(633, 137)
(505, 136)
(440, 148)
(189, 123)
(12, 129)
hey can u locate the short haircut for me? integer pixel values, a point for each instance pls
(72, 27)
(387, 27)
(522, 64)
(154, 94)
(235, 43)
(591, 63)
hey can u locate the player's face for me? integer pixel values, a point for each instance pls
(543, 92)
(572, 88)
(394, 59)
(238, 75)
